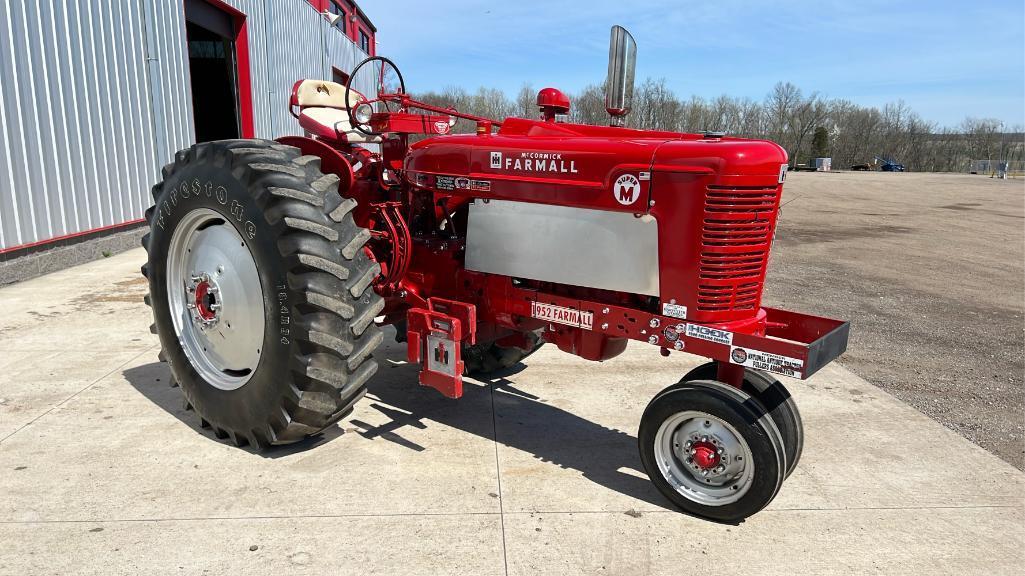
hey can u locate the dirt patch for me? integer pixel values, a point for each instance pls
(930, 270)
(130, 291)
(837, 233)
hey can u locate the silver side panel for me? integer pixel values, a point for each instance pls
(592, 248)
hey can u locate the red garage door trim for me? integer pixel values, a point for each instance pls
(245, 77)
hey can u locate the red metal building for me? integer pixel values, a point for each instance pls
(111, 90)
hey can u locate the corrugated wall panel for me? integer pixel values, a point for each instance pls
(95, 98)
(168, 77)
(77, 139)
(290, 41)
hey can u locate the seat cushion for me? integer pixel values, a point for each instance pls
(333, 124)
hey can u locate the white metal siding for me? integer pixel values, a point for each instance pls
(95, 98)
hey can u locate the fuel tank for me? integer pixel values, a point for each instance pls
(683, 217)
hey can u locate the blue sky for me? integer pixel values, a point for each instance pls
(946, 59)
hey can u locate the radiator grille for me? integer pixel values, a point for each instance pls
(735, 239)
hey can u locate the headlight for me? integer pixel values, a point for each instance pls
(363, 113)
(452, 120)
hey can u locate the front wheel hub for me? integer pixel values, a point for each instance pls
(704, 458)
(705, 455)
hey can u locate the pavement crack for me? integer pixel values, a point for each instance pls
(498, 476)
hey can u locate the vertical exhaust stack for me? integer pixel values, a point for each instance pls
(619, 86)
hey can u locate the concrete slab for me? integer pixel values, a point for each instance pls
(371, 545)
(32, 382)
(535, 471)
(128, 450)
(74, 309)
(863, 448)
(955, 541)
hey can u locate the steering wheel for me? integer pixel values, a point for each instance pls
(390, 89)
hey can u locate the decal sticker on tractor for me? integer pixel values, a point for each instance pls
(463, 183)
(496, 159)
(442, 128)
(561, 315)
(782, 173)
(767, 361)
(675, 311)
(480, 185)
(710, 334)
(627, 189)
(445, 183)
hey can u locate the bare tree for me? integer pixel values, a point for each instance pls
(856, 134)
(526, 102)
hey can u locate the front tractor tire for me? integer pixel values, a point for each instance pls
(261, 291)
(712, 450)
(484, 359)
(774, 398)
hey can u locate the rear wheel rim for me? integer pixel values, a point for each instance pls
(215, 299)
(704, 458)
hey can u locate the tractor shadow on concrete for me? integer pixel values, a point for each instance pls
(154, 382)
(496, 409)
(493, 409)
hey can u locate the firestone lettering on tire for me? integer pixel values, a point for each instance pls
(195, 189)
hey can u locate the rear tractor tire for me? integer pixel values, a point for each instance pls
(261, 291)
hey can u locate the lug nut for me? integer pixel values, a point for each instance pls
(653, 339)
(678, 345)
(654, 323)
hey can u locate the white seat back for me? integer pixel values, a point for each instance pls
(321, 93)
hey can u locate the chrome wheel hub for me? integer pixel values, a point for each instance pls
(205, 305)
(704, 458)
(216, 299)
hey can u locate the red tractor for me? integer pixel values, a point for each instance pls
(274, 265)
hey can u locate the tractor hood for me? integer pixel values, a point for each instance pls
(557, 163)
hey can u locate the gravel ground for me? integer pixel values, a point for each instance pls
(930, 270)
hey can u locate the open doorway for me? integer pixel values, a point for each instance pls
(216, 42)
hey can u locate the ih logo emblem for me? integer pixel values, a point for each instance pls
(627, 189)
(496, 159)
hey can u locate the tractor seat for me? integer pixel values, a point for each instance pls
(324, 112)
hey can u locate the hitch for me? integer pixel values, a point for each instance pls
(435, 336)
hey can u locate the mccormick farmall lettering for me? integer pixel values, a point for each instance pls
(541, 162)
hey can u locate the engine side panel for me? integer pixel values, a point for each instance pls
(580, 247)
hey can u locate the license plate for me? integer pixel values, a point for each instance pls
(562, 315)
